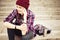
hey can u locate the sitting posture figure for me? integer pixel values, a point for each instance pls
(20, 22)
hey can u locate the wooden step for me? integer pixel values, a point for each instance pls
(47, 17)
(6, 7)
(7, 3)
(46, 3)
(7, 0)
(52, 36)
(52, 24)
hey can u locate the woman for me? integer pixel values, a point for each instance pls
(21, 19)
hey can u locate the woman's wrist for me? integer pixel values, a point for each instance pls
(16, 27)
(24, 22)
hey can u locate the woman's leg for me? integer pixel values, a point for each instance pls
(28, 36)
(17, 37)
(10, 34)
(41, 30)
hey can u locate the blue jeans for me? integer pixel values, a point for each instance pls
(28, 36)
(11, 35)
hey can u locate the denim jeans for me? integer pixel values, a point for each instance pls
(28, 36)
(11, 35)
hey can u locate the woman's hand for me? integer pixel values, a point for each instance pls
(23, 28)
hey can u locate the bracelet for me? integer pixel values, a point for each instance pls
(24, 22)
(15, 26)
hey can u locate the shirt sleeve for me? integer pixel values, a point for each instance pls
(31, 20)
(10, 17)
(31, 24)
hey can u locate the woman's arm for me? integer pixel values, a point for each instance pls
(31, 20)
(9, 25)
(22, 27)
(12, 26)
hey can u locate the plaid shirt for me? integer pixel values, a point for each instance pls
(30, 21)
(14, 14)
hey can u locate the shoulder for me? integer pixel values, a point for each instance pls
(14, 12)
(31, 13)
